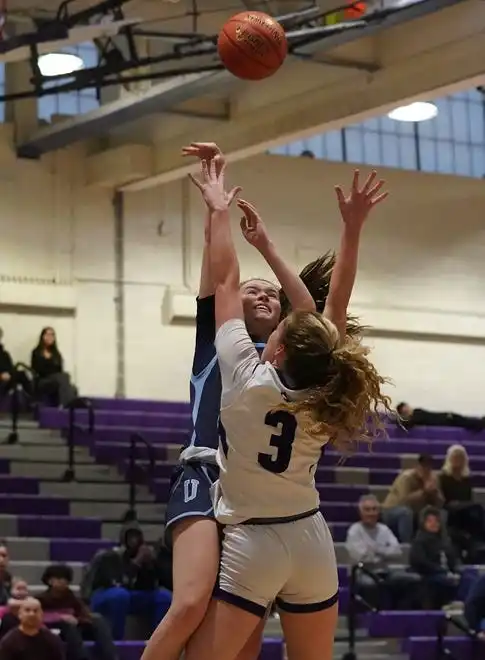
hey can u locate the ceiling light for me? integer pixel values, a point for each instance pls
(418, 111)
(56, 64)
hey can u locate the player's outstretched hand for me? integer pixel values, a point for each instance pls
(252, 227)
(207, 151)
(211, 185)
(355, 207)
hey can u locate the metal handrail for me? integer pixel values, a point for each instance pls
(135, 438)
(354, 599)
(79, 403)
(441, 650)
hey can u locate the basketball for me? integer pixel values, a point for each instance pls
(252, 45)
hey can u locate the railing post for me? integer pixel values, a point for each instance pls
(70, 473)
(131, 512)
(352, 615)
(80, 403)
(13, 436)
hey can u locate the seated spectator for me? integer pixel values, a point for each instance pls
(47, 363)
(432, 556)
(475, 607)
(410, 493)
(466, 518)
(59, 602)
(5, 575)
(67, 632)
(124, 581)
(9, 376)
(30, 640)
(374, 545)
(410, 417)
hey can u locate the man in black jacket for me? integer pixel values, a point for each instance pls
(125, 580)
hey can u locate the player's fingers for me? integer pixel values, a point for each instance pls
(212, 146)
(375, 189)
(380, 198)
(340, 195)
(369, 182)
(205, 170)
(233, 193)
(355, 181)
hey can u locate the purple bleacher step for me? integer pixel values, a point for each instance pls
(114, 453)
(58, 527)
(448, 433)
(33, 505)
(272, 649)
(404, 624)
(53, 418)
(426, 648)
(178, 437)
(141, 405)
(159, 436)
(73, 549)
(18, 485)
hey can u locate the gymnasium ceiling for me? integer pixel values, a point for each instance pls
(134, 141)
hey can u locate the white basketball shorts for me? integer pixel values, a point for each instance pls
(292, 563)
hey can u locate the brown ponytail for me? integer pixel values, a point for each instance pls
(342, 387)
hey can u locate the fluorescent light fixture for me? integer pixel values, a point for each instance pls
(418, 111)
(55, 64)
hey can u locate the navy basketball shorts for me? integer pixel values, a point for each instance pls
(190, 494)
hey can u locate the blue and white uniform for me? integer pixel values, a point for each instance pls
(192, 479)
(276, 545)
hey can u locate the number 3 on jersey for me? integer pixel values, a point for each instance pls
(282, 441)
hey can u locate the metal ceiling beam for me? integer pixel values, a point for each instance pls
(164, 97)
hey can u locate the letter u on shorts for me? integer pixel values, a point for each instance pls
(293, 563)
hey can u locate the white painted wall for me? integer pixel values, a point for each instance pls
(421, 273)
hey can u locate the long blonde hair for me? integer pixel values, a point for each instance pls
(456, 449)
(343, 388)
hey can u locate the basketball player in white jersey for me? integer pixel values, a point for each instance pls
(277, 415)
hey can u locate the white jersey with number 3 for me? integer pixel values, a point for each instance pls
(267, 462)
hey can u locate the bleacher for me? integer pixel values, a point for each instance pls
(46, 518)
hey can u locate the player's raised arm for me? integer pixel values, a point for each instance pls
(224, 263)
(208, 151)
(256, 234)
(354, 210)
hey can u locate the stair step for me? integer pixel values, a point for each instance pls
(100, 492)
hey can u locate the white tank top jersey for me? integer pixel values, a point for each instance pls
(267, 462)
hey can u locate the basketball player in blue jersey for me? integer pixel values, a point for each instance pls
(315, 387)
(190, 521)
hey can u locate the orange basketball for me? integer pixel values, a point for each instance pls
(252, 45)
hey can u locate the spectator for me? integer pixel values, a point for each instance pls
(9, 376)
(59, 602)
(30, 640)
(374, 545)
(5, 575)
(124, 581)
(68, 633)
(410, 417)
(465, 517)
(433, 557)
(475, 607)
(410, 493)
(47, 363)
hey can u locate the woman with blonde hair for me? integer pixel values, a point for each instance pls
(311, 386)
(466, 518)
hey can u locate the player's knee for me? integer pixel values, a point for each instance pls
(190, 608)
